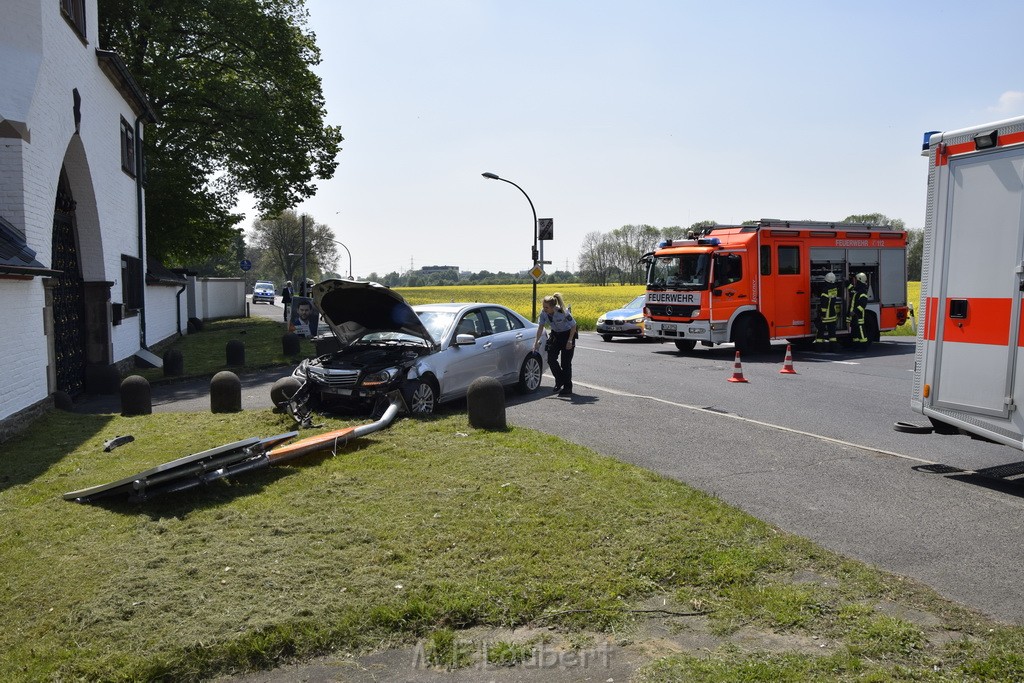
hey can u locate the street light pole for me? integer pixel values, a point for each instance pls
(349, 257)
(303, 290)
(492, 176)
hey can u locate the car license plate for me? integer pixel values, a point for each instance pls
(615, 328)
(668, 327)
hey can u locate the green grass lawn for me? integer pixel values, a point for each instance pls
(205, 353)
(415, 532)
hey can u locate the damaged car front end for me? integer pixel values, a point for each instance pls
(425, 355)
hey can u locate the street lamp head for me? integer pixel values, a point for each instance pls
(490, 176)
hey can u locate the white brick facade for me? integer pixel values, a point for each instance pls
(44, 62)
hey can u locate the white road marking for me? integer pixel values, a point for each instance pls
(703, 410)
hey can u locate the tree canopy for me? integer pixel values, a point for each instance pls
(240, 111)
(276, 248)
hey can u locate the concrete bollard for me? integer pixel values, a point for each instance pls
(485, 403)
(136, 396)
(174, 363)
(283, 389)
(225, 393)
(290, 344)
(62, 401)
(236, 352)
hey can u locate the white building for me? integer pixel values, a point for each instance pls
(73, 274)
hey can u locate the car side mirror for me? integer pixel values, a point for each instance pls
(462, 339)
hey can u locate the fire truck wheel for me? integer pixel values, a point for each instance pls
(908, 428)
(686, 345)
(750, 335)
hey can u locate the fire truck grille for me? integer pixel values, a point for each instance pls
(673, 311)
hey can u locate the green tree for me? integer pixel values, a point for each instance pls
(280, 239)
(879, 219)
(240, 110)
(915, 251)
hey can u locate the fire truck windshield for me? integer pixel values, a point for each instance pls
(679, 271)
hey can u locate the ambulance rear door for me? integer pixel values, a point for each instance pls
(977, 333)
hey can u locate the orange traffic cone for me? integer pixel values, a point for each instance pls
(787, 366)
(737, 373)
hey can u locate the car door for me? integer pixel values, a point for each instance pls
(505, 341)
(465, 362)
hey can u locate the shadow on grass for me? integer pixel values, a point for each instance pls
(46, 443)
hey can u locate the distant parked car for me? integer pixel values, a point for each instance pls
(263, 291)
(627, 321)
(429, 353)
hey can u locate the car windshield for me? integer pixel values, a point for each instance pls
(436, 322)
(261, 285)
(636, 303)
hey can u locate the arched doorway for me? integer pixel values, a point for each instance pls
(68, 295)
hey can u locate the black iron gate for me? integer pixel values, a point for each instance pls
(68, 296)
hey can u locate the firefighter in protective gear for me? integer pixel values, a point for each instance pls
(858, 308)
(829, 306)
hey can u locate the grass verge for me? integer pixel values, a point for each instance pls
(416, 532)
(205, 353)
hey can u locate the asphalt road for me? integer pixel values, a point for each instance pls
(813, 453)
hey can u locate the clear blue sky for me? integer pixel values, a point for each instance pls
(648, 111)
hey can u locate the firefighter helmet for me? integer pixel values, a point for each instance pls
(830, 278)
(861, 277)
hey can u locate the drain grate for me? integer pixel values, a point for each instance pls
(1003, 471)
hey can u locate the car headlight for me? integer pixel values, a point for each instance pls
(376, 379)
(600, 321)
(635, 319)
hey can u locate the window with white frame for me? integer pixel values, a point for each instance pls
(131, 282)
(127, 148)
(74, 12)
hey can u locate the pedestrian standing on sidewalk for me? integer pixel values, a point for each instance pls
(561, 342)
(286, 298)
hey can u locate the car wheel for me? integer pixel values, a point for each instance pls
(530, 374)
(686, 345)
(421, 397)
(606, 337)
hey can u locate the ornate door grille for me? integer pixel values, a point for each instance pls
(68, 297)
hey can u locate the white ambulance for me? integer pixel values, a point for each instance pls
(969, 368)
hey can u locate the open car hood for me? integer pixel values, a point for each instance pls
(352, 308)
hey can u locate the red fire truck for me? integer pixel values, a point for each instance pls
(750, 284)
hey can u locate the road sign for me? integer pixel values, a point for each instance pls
(245, 264)
(537, 272)
(546, 228)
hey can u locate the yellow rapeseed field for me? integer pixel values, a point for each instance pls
(587, 301)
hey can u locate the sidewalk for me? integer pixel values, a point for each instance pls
(191, 395)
